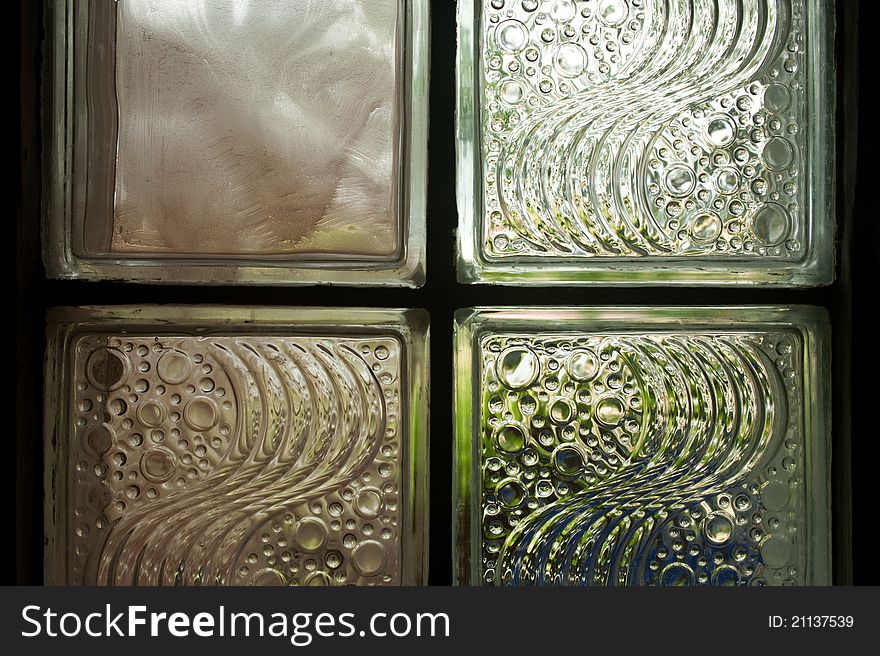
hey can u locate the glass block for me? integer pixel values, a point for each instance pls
(236, 446)
(642, 446)
(267, 142)
(646, 142)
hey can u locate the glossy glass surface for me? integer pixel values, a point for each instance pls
(615, 446)
(651, 142)
(231, 447)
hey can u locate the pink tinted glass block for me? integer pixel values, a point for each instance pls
(215, 455)
(267, 141)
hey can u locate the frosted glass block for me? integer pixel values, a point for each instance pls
(642, 446)
(230, 446)
(266, 141)
(646, 142)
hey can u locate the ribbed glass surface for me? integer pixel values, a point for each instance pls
(624, 135)
(615, 454)
(267, 456)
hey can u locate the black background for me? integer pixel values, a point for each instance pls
(849, 301)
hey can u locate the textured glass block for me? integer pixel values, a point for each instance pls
(642, 446)
(645, 142)
(228, 446)
(270, 141)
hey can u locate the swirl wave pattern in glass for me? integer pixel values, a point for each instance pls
(623, 136)
(247, 459)
(661, 456)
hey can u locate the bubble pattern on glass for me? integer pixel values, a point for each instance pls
(657, 459)
(235, 460)
(638, 128)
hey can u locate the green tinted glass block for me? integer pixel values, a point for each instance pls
(236, 446)
(642, 446)
(646, 142)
